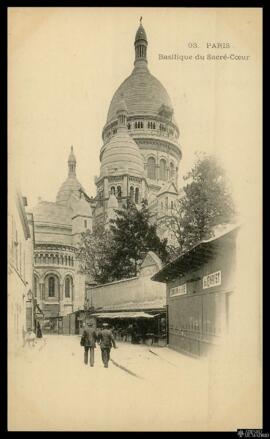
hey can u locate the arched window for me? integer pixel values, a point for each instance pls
(131, 193)
(119, 191)
(171, 170)
(68, 286)
(149, 125)
(113, 190)
(154, 126)
(172, 205)
(128, 126)
(162, 169)
(65, 260)
(151, 168)
(51, 286)
(136, 125)
(137, 195)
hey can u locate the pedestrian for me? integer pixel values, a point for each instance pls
(30, 337)
(88, 340)
(106, 341)
(39, 332)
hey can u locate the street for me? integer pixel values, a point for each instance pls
(144, 388)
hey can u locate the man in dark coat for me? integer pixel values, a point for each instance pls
(106, 341)
(88, 340)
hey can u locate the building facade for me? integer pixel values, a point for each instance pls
(58, 284)
(141, 153)
(200, 284)
(20, 269)
(139, 160)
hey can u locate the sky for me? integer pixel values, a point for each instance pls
(64, 64)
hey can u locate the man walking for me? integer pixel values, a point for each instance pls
(106, 341)
(88, 340)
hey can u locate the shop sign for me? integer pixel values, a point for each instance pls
(212, 280)
(178, 291)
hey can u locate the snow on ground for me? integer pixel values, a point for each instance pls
(51, 389)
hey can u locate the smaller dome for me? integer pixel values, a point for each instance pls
(82, 208)
(112, 203)
(121, 154)
(70, 186)
(140, 34)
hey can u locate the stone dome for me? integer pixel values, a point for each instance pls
(82, 208)
(143, 93)
(121, 154)
(70, 186)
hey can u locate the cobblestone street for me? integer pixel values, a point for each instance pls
(144, 388)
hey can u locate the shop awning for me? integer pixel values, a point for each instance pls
(124, 315)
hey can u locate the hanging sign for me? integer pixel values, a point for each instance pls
(212, 280)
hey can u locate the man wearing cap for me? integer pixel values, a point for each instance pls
(106, 341)
(88, 340)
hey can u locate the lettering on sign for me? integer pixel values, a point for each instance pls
(178, 291)
(212, 280)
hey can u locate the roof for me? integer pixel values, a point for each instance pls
(197, 255)
(143, 93)
(48, 212)
(169, 187)
(124, 315)
(140, 34)
(82, 208)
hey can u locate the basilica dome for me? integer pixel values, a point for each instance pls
(122, 155)
(143, 93)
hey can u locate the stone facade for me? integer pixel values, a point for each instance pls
(59, 287)
(141, 153)
(20, 269)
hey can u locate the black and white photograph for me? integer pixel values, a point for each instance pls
(135, 219)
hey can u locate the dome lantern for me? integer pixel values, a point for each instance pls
(140, 45)
(71, 163)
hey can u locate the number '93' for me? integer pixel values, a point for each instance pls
(192, 45)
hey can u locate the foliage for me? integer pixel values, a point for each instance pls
(94, 253)
(117, 253)
(206, 203)
(133, 236)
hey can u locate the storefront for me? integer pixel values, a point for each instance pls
(200, 283)
(136, 327)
